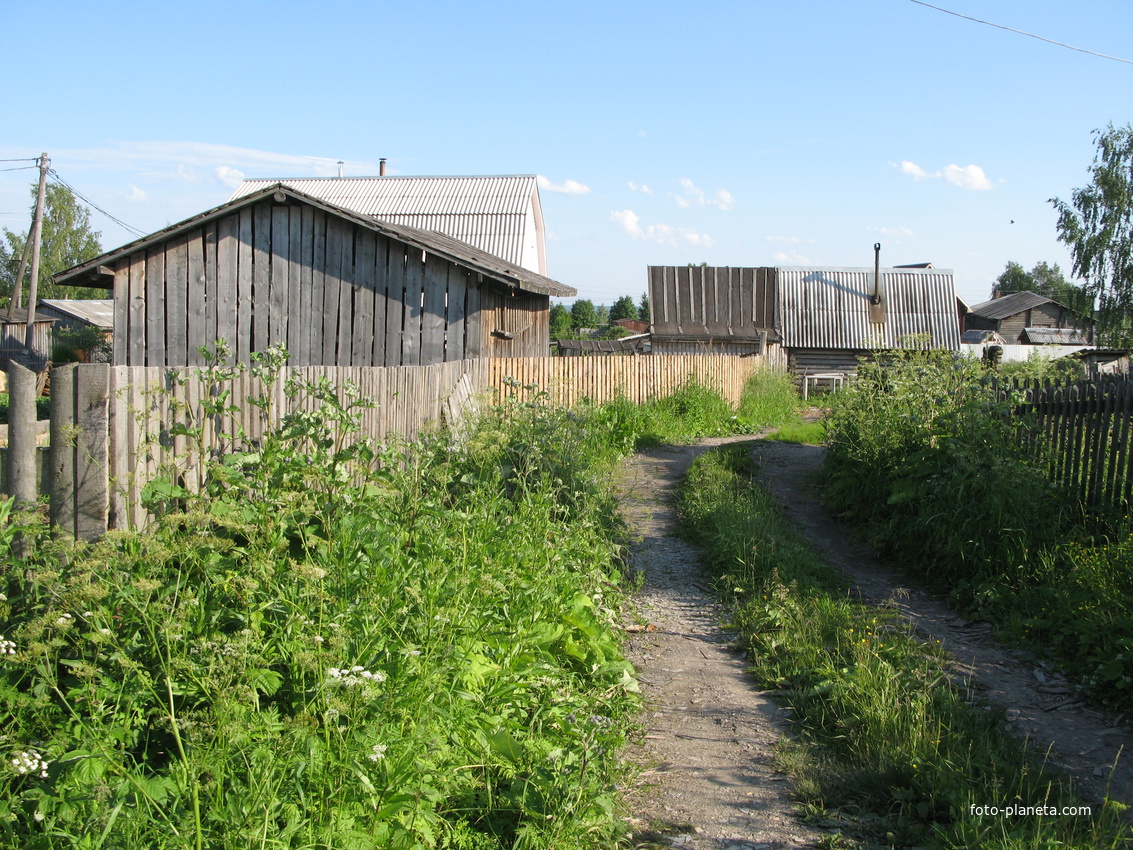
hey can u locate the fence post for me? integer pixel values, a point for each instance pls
(63, 448)
(23, 482)
(92, 457)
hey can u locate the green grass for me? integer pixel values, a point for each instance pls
(889, 748)
(42, 408)
(809, 433)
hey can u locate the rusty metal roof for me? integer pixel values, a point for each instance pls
(829, 308)
(500, 215)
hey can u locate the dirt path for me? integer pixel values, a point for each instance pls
(1040, 704)
(710, 782)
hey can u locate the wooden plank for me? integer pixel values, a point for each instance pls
(346, 298)
(92, 485)
(362, 286)
(474, 330)
(414, 295)
(121, 340)
(210, 333)
(313, 300)
(155, 308)
(63, 448)
(261, 276)
(280, 271)
(23, 481)
(454, 333)
(177, 304)
(245, 257)
(227, 263)
(433, 317)
(197, 295)
(332, 288)
(381, 272)
(302, 272)
(117, 430)
(293, 312)
(395, 302)
(137, 311)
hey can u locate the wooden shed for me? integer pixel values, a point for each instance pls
(810, 320)
(334, 287)
(1014, 316)
(13, 336)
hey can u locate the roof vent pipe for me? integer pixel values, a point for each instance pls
(340, 164)
(382, 167)
(876, 307)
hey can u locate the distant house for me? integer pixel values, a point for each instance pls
(335, 287)
(1026, 318)
(74, 315)
(13, 335)
(499, 215)
(812, 320)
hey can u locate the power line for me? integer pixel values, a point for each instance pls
(22, 159)
(18, 167)
(91, 203)
(1021, 32)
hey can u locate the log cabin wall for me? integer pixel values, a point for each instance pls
(330, 290)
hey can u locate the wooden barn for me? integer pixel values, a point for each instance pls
(810, 320)
(334, 287)
(13, 336)
(1027, 318)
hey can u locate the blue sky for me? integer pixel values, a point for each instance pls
(752, 133)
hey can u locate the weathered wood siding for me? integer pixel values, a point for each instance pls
(698, 302)
(330, 290)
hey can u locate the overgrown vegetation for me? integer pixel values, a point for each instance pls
(335, 645)
(890, 749)
(42, 408)
(924, 459)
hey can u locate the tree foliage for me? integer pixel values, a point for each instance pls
(67, 240)
(1097, 226)
(643, 308)
(560, 321)
(1047, 280)
(623, 308)
(583, 314)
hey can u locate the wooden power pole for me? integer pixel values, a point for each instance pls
(37, 235)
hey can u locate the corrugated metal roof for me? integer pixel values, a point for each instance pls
(1056, 336)
(20, 316)
(476, 259)
(494, 214)
(98, 312)
(829, 308)
(1009, 305)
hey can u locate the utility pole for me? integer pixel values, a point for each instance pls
(37, 233)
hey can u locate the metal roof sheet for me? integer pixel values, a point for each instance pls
(1009, 305)
(1056, 336)
(493, 214)
(829, 308)
(698, 302)
(98, 311)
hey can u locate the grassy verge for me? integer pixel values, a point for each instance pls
(887, 746)
(332, 645)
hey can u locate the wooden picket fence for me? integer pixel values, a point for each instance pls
(1081, 430)
(116, 428)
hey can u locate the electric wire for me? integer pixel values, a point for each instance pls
(93, 205)
(1021, 32)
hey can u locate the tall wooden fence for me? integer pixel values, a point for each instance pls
(1082, 431)
(116, 428)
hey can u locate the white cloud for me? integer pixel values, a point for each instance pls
(228, 176)
(695, 196)
(891, 231)
(645, 190)
(136, 194)
(791, 239)
(662, 234)
(970, 177)
(568, 187)
(791, 259)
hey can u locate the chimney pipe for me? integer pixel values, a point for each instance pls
(340, 164)
(382, 167)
